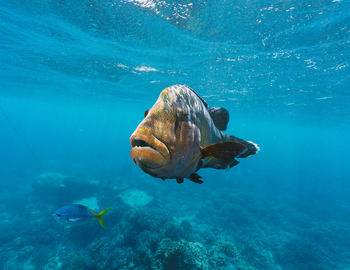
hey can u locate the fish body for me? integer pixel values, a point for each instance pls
(180, 135)
(78, 214)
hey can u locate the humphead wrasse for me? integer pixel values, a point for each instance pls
(181, 134)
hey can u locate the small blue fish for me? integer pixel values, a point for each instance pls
(77, 214)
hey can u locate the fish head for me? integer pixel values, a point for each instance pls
(166, 143)
(61, 215)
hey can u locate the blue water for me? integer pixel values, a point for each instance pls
(75, 80)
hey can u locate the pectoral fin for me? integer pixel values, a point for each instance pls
(233, 163)
(179, 180)
(195, 178)
(73, 219)
(225, 151)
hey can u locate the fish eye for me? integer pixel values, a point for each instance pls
(59, 215)
(146, 112)
(182, 115)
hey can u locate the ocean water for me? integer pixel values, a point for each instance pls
(75, 80)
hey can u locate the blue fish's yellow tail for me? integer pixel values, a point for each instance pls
(100, 215)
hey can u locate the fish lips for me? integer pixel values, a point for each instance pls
(148, 152)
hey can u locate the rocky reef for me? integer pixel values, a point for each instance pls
(163, 229)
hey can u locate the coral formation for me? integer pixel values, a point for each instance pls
(180, 255)
(74, 261)
(135, 198)
(166, 234)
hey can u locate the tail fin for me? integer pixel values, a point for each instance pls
(252, 148)
(100, 215)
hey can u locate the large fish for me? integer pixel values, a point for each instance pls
(181, 134)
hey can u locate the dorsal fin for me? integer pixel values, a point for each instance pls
(220, 117)
(204, 102)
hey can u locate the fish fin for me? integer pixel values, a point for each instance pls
(200, 162)
(220, 117)
(204, 102)
(225, 151)
(215, 164)
(179, 180)
(73, 219)
(252, 148)
(233, 163)
(100, 215)
(195, 178)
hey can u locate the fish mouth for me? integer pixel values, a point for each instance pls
(139, 143)
(148, 151)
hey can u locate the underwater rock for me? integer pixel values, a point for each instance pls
(302, 253)
(53, 264)
(52, 177)
(107, 254)
(135, 198)
(181, 255)
(229, 249)
(14, 265)
(120, 187)
(74, 261)
(225, 255)
(47, 237)
(91, 203)
(62, 189)
(144, 227)
(49, 183)
(25, 253)
(7, 226)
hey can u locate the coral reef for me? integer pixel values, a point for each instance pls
(74, 261)
(180, 255)
(167, 234)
